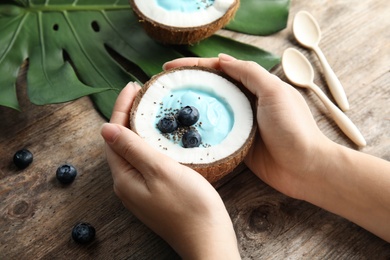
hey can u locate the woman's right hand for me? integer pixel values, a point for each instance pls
(289, 143)
(293, 156)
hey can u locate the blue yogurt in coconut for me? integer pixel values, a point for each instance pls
(215, 115)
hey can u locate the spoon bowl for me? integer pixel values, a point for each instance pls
(299, 71)
(307, 32)
(297, 68)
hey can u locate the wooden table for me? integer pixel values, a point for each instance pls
(37, 214)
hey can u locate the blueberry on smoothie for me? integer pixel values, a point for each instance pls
(191, 139)
(167, 124)
(188, 116)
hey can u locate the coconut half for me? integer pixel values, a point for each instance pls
(226, 123)
(183, 21)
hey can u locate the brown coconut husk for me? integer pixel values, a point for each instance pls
(180, 36)
(216, 170)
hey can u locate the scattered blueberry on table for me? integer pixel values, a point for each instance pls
(23, 158)
(66, 173)
(83, 233)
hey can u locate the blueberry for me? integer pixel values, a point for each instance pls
(83, 233)
(66, 173)
(188, 116)
(23, 158)
(167, 124)
(191, 139)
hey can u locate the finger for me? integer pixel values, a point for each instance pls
(114, 160)
(254, 77)
(127, 180)
(120, 114)
(204, 62)
(148, 161)
(118, 165)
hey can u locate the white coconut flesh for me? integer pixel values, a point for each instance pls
(218, 89)
(184, 13)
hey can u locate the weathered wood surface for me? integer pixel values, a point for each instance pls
(37, 214)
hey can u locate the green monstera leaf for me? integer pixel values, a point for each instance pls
(216, 44)
(260, 17)
(78, 48)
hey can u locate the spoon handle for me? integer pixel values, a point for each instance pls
(345, 124)
(334, 84)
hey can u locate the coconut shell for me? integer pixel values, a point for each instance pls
(216, 170)
(178, 35)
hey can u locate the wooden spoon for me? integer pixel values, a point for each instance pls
(299, 71)
(308, 33)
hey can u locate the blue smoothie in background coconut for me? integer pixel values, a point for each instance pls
(185, 6)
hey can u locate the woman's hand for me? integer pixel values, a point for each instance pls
(293, 156)
(287, 148)
(173, 200)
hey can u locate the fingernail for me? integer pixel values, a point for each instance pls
(110, 132)
(135, 85)
(225, 57)
(164, 66)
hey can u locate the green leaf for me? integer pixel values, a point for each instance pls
(85, 47)
(260, 17)
(68, 46)
(50, 78)
(216, 44)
